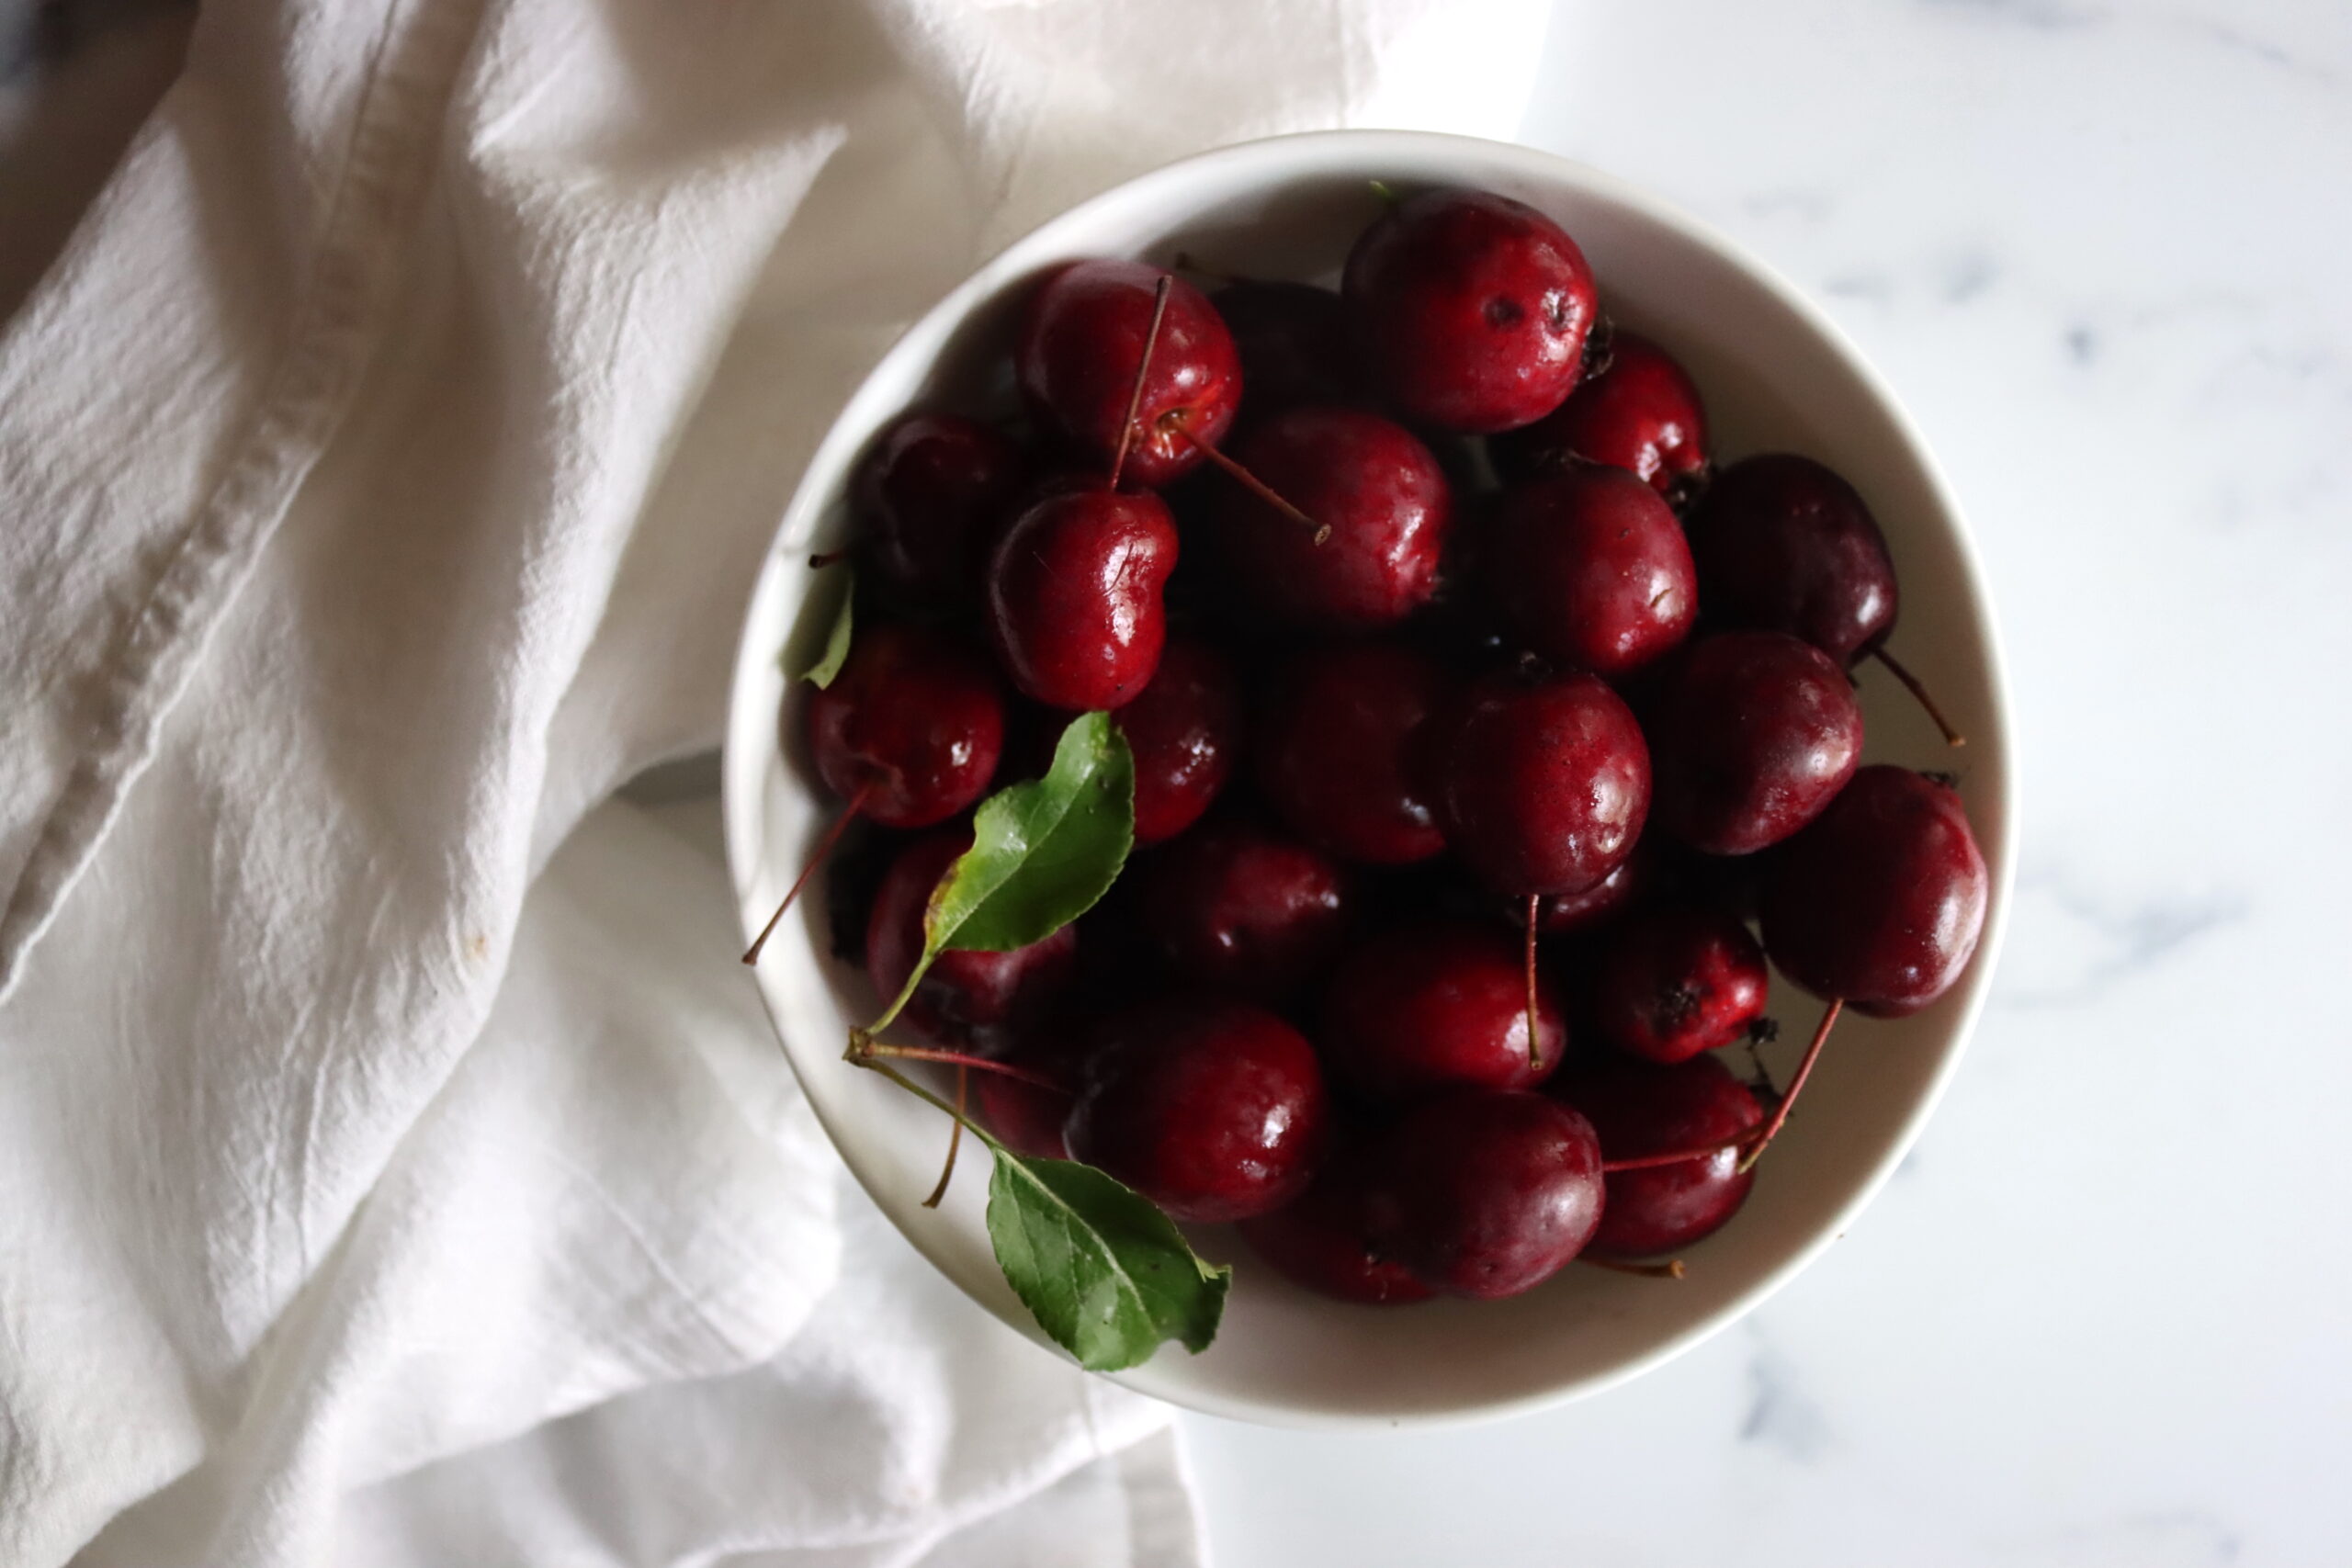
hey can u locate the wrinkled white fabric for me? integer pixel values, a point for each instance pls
(383, 466)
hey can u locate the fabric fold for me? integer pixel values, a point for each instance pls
(385, 463)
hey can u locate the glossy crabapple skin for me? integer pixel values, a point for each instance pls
(1074, 596)
(1597, 906)
(928, 498)
(1338, 750)
(1214, 1110)
(1370, 483)
(1677, 980)
(1027, 1116)
(1470, 308)
(1236, 908)
(1028, 1120)
(1294, 343)
(1435, 1006)
(1639, 1109)
(980, 999)
(1487, 1194)
(1882, 899)
(1322, 1240)
(1642, 415)
(1185, 729)
(911, 726)
(1543, 784)
(1785, 545)
(1081, 343)
(1752, 734)
(1588, 567)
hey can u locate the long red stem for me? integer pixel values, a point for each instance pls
(1676, 1156)
(1669, 1269)
(1894, 667)
(1247, 479)
(1788, 1100)
(1534, 1039)
(954, 1137)
(1143, 370)
(824, 847)
(962, 1060)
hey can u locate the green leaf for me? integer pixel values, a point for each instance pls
(827, 662)
(1042, 852)
(1106, 1275)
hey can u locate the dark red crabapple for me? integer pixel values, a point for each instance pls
(1435, 1006)
(1784, 544)
(1322, 1240)
(1642, 415)
(1485, 1194)
(1081, 341)
(1292, 339)
(1572, 914)
(1381, 508)
(1213, 1109)
(911, 726)
(1752, 734)
(1543, 784)
(1074, 600)
(1638, 1108)
(1184, 729)
(978, 999)
(928, 498)
(1234, 908)
(1027, 1119)
(1471, 308)
(1029, 1116)
(1879, 901)
(1587, 566)
(1677, 980)
(1338, 750)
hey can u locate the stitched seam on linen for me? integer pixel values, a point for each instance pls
(343, 303)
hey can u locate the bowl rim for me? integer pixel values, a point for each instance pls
(750, 740)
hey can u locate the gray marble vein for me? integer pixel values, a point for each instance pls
(1780, 1415)
(2089, 940)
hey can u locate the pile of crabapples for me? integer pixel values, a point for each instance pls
(1488, 738)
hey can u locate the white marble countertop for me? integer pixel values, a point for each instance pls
(2103, 1315)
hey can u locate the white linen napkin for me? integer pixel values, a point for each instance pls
(383, 470)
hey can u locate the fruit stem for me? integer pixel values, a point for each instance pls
(1804, 1070)
(867, 1046)
(954, 1137)
(824, 847)
(1143, 370)
(1676, 1156)
(904, 1082)
(1534, 1038)
(1895, 666)
(824, 558)
(1670, 1270)
(1244, 478)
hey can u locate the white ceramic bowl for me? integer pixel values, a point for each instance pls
(1776, 374)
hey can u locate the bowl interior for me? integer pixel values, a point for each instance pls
(1775, 375)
